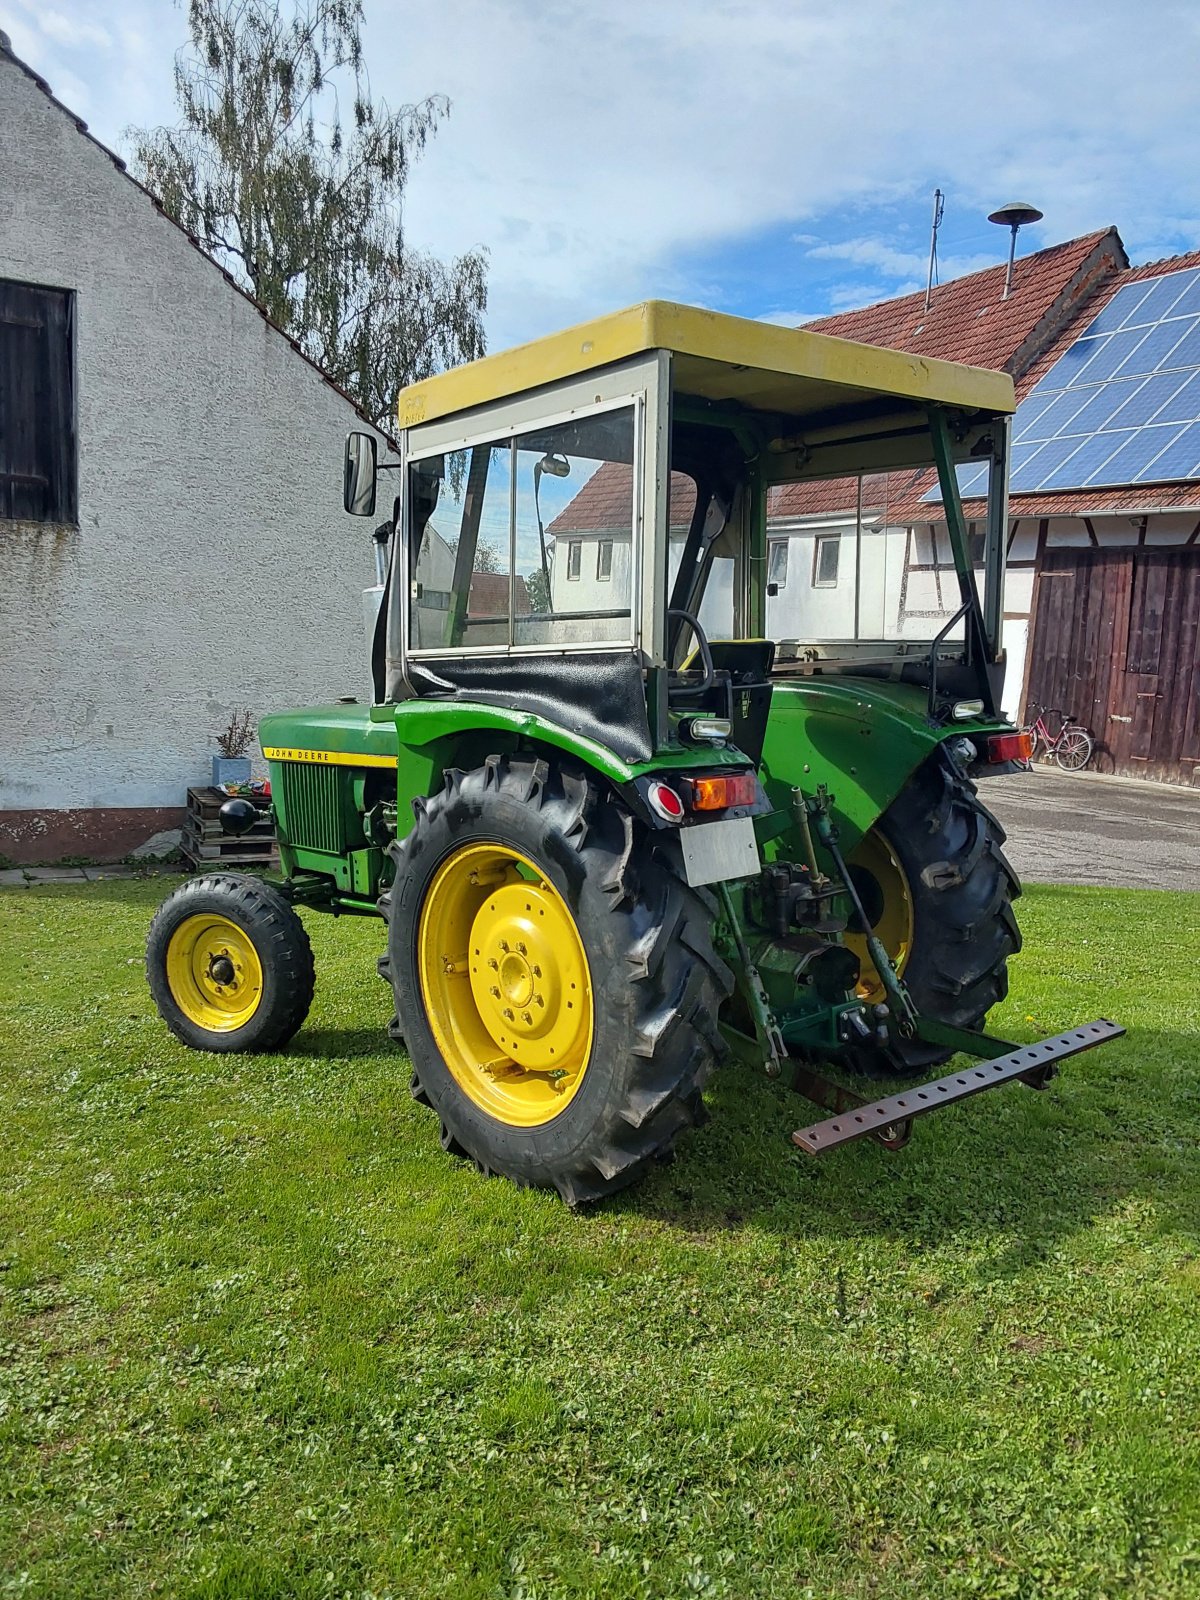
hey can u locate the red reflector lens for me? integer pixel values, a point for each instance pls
(665, 801)
(1010, 747)
(718, 794)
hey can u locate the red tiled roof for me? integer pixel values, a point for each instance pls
(905, 494)
(489, 595)
(828, 495)
(969, 320)
(606, 501)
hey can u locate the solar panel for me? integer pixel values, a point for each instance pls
(1122, 404)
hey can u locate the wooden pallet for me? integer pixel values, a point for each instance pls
(203, 844)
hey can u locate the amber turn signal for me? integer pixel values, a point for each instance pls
(718, 794)
(1010, 747)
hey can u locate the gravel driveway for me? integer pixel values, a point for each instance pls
(1081, 827)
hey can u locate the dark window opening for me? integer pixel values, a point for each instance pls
(38, 465)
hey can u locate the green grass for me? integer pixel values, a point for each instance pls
(260, 1337)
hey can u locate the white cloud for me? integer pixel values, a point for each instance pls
(72, 31)
(594, 149)
(627, 134)
(788, 319)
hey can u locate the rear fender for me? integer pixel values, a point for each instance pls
(862, 739)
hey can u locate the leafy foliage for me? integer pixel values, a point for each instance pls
(300, 198)
(537, 586)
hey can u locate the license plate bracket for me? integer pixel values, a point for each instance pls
(715, 852)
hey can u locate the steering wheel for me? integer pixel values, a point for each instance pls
(701, 638)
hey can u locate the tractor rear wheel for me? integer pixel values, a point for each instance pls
(939, 892)
(229, 964)
(554, 977)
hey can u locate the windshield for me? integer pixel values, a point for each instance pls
(863, 558)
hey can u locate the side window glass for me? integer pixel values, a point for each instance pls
(574, 531)
(460, 578)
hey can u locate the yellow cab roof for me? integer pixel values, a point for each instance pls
(718, 358)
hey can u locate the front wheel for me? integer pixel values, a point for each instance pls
(938, 890)
(1074, 750)
(554, 977)
(229, 964)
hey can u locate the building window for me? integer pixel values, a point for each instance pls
(976, 540)
(38, 468)
(825, 560)
(777, 560)
(604, 560)
(574, 557)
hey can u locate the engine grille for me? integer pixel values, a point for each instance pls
(313, 798)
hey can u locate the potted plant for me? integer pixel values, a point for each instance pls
(232, 765)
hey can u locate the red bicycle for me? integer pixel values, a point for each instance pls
(1071, 746)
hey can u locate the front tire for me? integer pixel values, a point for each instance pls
(554, 977)
(229, 964)
(939, 892)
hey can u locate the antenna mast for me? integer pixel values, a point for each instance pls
(939, 205)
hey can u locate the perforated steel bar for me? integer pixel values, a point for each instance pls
(1029, 1063)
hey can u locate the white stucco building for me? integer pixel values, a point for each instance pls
(172, 539)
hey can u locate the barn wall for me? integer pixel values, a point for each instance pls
(213, 566)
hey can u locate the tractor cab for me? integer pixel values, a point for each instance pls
(602, 508)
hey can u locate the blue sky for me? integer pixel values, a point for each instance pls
(770, 159)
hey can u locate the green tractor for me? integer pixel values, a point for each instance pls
(638, 787)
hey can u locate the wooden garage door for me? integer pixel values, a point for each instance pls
(1115, 640)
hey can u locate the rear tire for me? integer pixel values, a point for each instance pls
(229, 964)
(613, 897)
(960, 888)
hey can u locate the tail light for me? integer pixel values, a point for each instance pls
(1010, 747)
(720, 793)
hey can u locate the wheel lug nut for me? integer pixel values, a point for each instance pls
(493, 963)
(538, 1001)
(494, 992)
(537, 972)
(504, 945)
(526, 1017)
(508, 1016)
(521, 950)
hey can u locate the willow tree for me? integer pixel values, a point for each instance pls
(292, 177)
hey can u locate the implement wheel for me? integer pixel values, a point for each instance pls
(229, 964)
(554, 977)
(939, 892)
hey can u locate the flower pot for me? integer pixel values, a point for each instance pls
(230, 769)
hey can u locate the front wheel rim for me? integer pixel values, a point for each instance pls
(505, 983)
(214, 972)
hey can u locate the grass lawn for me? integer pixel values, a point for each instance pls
(260, 1337)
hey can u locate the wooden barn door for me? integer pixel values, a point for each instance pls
(1115, 640)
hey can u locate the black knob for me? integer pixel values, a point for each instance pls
(237, 816)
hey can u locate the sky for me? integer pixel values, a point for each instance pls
(775, 160)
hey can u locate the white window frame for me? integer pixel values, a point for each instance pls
(774, 547)
(574, 559)
(819, 543)
(504, 424)
(604, 560)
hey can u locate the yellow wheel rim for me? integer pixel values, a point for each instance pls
(214, 973)
(883, 888)
(505, 984)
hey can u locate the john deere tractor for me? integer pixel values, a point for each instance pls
(686, 668)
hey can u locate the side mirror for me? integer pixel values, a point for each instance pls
(358, 488)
